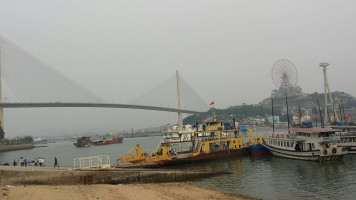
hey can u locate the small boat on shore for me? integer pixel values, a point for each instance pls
(86, 141)
(212, 140)
(317, 144)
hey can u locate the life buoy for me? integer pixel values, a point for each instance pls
(272, 134)
(325, 152)
(287, 135)
(334, 150)
(277, 136)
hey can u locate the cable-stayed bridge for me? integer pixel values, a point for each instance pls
(33, 83)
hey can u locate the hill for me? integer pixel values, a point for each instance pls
(263, 110)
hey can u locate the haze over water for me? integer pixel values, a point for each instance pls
(263, 177)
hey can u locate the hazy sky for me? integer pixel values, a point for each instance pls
(224, 49)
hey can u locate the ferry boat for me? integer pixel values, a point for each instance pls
(317, 144)
(212, 140)
(85, 141)
(347, 137)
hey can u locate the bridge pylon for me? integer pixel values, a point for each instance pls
(180, 117)
(2, 133)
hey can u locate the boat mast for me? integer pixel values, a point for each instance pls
(180, 117)
(272, 116)
(287, 112)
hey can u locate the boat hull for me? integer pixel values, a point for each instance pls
(302, 155)
(203, 157)
(259, 150)
(106, 142)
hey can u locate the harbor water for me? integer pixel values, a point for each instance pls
(260, 177)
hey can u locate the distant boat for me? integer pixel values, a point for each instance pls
(85, 141)
(108, 141)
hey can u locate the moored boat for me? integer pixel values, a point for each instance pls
(316, 144)
(347, 137)
(212, 140)
(259, 150)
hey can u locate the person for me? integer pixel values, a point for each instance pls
(25, 162)
(36, 162)
(15, 163)
(55, 162)
(21, 161)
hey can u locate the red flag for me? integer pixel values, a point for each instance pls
(347, 116)
(338, 115)
(300, 115)
(212, 103)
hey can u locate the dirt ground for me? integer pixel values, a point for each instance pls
(167, 191)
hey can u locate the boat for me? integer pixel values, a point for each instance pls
(83, 142)
(347, 137)
(259, 150)
(86, 141)
(211, 140)
(306, 143)
(108, 141)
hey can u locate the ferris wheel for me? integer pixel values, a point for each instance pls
(284, 74)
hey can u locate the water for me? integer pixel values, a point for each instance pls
(66, 151)
(265, 177)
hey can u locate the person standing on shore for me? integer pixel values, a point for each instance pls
(25, 162)
(15, 163)
(21, 161)
(55, 162)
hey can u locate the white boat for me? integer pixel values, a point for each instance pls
(347, 137)
(316, 144)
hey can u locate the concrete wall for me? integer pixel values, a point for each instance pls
(69, 177)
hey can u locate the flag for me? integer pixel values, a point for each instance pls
(212, 103)
(338, 115)
(347, 116)
(300, 115)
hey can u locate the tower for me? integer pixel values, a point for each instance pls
(326, 92)
(180, 117)
(2, 133)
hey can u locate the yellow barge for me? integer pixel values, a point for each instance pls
(212, 140)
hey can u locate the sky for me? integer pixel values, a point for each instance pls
(224, 49)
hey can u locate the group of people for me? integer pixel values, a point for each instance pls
(37, 162)
(24, 162)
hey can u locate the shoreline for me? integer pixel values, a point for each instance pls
(179, 191)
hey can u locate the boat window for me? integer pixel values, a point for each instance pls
(308, 134)
(313, 146)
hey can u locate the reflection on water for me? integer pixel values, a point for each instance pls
(264, 177)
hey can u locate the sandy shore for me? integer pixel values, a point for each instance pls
(180, 191)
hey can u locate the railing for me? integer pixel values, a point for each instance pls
(98, 162)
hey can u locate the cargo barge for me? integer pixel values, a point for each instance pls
(86, 141)
(212, 140)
